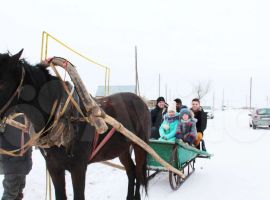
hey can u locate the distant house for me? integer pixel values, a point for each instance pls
(115, 89)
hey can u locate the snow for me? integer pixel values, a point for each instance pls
(239, 168)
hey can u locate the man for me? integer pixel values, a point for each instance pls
(201, 124)
(157, 117)
(14, 169)
(179, 105)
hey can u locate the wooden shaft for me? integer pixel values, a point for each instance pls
(92, 109)
(119, 127)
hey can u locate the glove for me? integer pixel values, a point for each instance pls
(166, 126)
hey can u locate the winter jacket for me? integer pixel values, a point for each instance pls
(201, 117)
(179, 109)
(10, 140)
(168, 127)
(156, 119)
(186, 130)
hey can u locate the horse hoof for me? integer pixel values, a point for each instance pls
(137, 198)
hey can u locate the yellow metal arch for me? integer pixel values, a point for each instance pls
(44, 54)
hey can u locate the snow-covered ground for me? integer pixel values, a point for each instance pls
(240, 168)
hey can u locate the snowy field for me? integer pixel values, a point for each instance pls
(240, 168)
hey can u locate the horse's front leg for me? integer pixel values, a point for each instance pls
(58, 178)
(78, 173)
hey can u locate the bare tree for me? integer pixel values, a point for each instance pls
(201, 89)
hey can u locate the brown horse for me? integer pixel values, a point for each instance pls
(33, 90)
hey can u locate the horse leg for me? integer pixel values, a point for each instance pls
(141, 177)
(78, 173)
(126, 160)
(58, 178)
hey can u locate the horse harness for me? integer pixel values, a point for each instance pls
(47, 142)
(16, 93)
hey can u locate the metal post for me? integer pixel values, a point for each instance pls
(109, 75)
(42, 46)
(46, 46)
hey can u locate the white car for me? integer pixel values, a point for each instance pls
(209, 110)
(260, 118)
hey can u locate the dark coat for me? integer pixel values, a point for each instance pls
(156, 119)
(179, 109)
(10, 140)
(201, 116)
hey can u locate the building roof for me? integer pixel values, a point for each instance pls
(115, 89)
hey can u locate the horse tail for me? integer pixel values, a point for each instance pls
(141, 167)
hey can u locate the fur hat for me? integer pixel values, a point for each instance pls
(172, 106)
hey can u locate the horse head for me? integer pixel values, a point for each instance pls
(11, 78)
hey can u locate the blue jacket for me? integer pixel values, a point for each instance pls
(168, 127)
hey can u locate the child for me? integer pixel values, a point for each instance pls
(168, 127)
(186, 130)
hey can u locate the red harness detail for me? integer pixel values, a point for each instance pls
(101, 144)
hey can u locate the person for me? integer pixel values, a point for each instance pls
(179, 105)
(186, 130)
(169, 125)
(157, 116)
(15, 168)
(201, 124)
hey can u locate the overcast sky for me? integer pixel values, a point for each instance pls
(225, 42)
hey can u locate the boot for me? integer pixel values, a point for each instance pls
(203, 146)
(20, 196)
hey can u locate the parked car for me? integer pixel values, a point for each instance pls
(260, 118)
(209, 110)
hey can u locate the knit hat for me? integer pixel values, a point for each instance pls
(185, 111)
(172, 106)
(160, 99)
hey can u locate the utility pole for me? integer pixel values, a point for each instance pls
(137, 86)
(250, 93)
(223, 99)
(166, 92)
(246, 101)
(159, 85)
(213, 100)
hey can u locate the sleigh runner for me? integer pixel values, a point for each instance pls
(179, 154)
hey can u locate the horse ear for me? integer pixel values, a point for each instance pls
(17, 56)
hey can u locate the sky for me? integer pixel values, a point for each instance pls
(186, 42)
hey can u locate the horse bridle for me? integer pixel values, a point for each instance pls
(16, 93)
